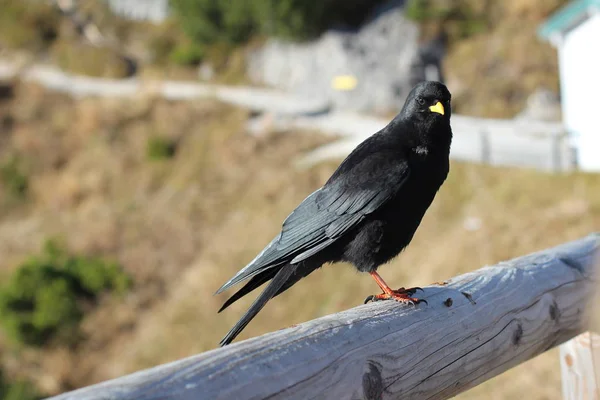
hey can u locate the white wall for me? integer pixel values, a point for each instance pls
(150, 10)
(579, 58)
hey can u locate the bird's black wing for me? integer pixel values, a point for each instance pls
(328, 213)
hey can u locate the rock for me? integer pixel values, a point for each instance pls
(381, 56)
(542, 105)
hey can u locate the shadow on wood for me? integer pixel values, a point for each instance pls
(476, 326)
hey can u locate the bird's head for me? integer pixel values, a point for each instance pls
(428, 102)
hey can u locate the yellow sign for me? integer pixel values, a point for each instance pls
(344, 82)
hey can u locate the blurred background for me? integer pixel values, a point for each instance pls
(150, 148)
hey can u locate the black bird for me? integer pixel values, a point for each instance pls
(367, 212)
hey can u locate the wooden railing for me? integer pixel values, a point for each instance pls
(475, 326)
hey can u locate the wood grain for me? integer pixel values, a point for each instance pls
(579, 367)
(498, 317)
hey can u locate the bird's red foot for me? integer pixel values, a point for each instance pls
(401, 295)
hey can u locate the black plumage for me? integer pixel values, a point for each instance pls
(367, 212)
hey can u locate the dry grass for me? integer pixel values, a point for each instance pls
(92, 183)
(511, 64)
(183, 226)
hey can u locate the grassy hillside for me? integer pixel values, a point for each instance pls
(495, 59)
(181, 197)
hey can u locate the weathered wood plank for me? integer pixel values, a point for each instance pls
(476, 326)
(580, 370)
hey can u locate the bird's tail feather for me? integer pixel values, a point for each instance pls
(252, 284)
(255, 266)
(278, 282)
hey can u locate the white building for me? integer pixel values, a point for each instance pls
(575, 32)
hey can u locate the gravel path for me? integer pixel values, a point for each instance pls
(519, 142)
(257, 99)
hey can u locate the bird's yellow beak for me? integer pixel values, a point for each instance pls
(438, 108)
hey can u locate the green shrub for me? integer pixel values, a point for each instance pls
(459, 18)
(295, 19)
(187, 53)
(13, 178)
(44, 299)
(211, 21)
(19, 390)
(423, 10)
(215, 28)
(160, 148)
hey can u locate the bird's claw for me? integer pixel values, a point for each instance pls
(374, 298)
(410, 291)
(401, 296)
(409, 300)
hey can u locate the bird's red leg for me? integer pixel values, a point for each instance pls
(402, 295)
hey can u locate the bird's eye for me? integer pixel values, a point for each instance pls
(421, 101)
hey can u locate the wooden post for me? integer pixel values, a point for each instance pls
(475, 327)
(580, 370)
(580, 356)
